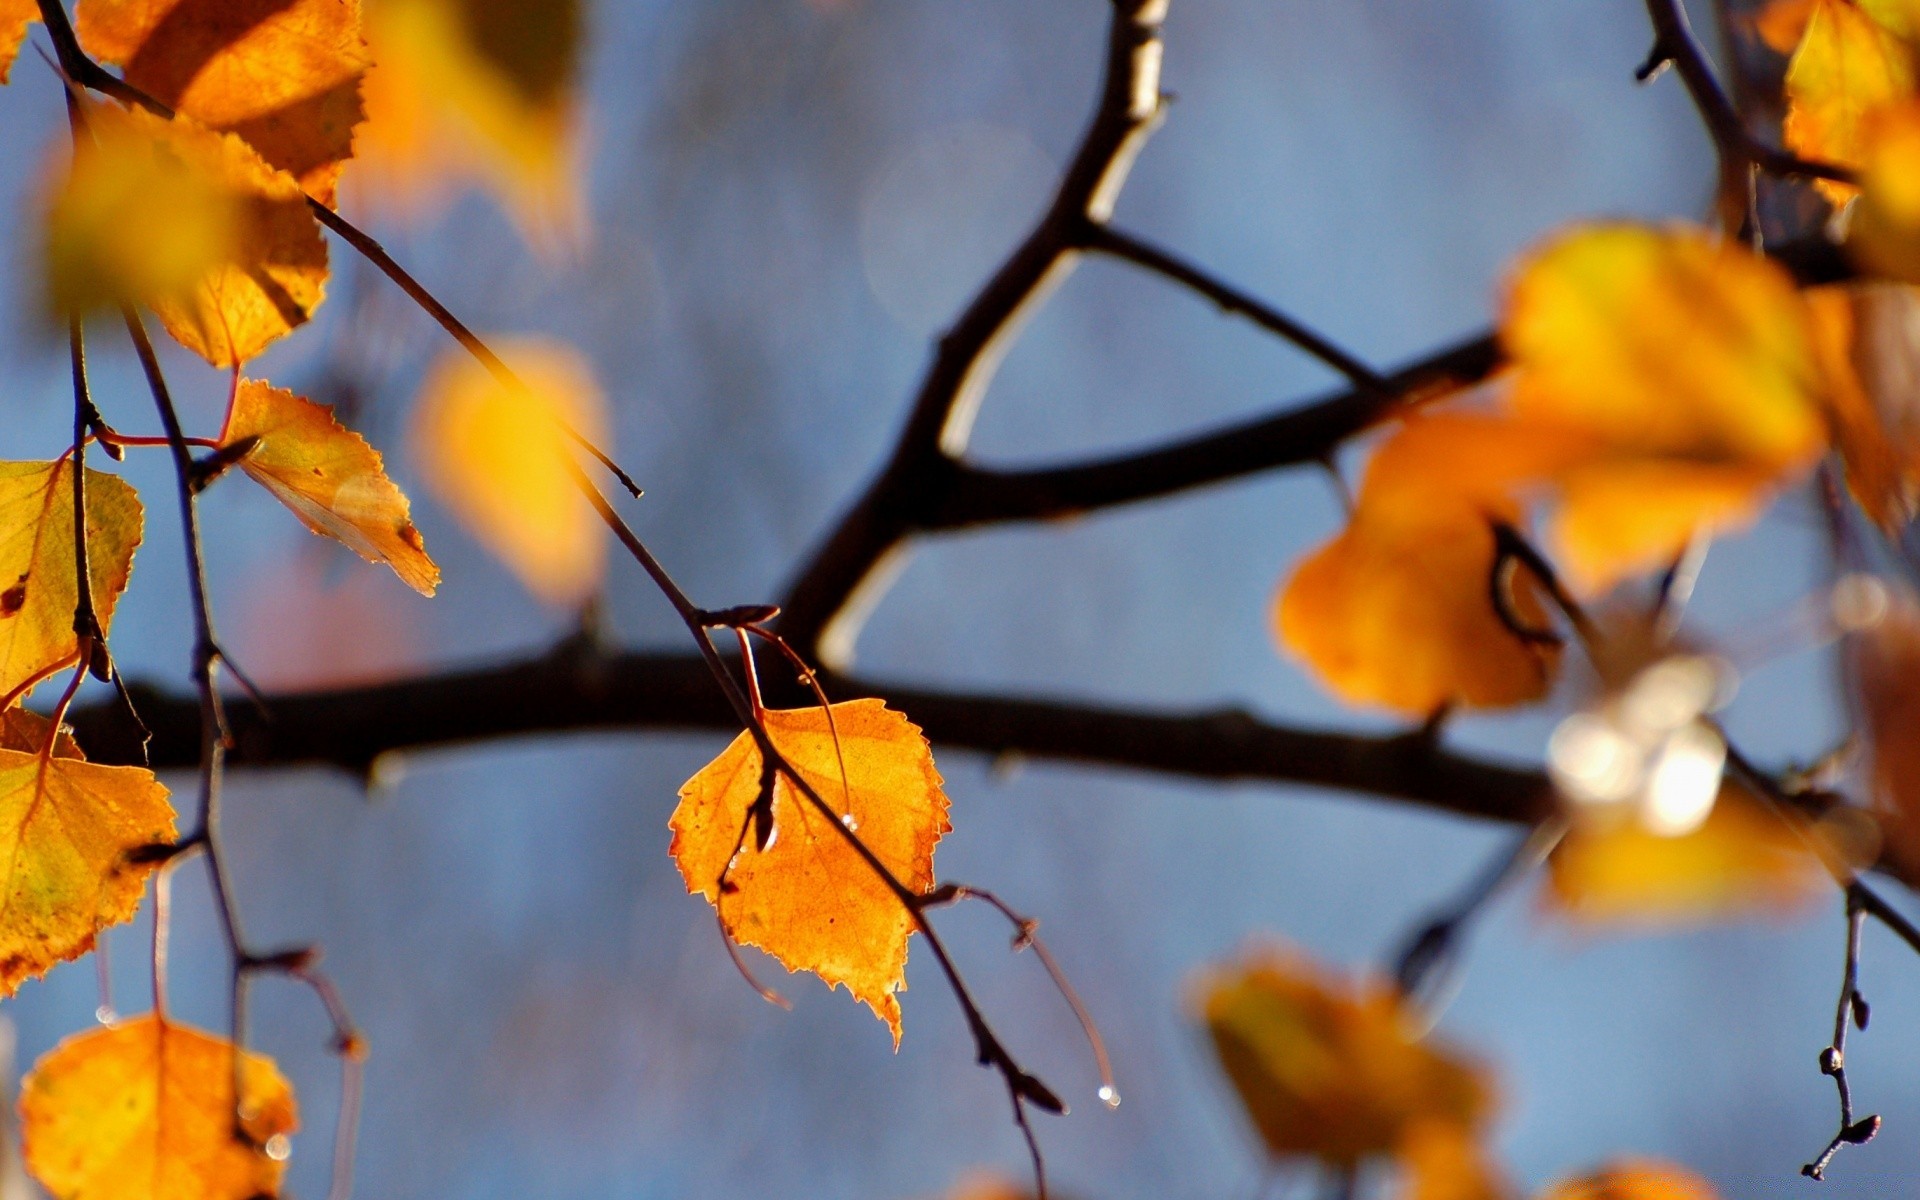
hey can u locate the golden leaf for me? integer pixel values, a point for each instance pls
(15, 16)
(1869, 336)
(1884, 234)
(1634, 1179)
(328, 475)
(1746, 857)
(66, 827)
(1691, 365)
(144, 1110)
(1781, 23)
(282, 74)
(808, 898)
(477, 87)
(38, 564)
(1848, 63)
(1330, 1069)
(501, 459)
(190, 222)
(1397, 610)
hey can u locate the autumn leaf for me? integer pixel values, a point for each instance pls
(15, 16)
(808, 898)
(38, 564)
(144, 1110)
(284, 75)
(1397, 610)
(25, 730)
(1781, 23)
(479, 88)
(1745, 857)
(1882, 665)
(501, 459)
(1331, 1070)
(191, 223)
(1869, 336)
(328, 475)
(1884, 234)
(66, 827)
(1689, 363)
(1848, 63)
(1634, 1179)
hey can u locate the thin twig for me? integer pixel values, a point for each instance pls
(1851, 1010)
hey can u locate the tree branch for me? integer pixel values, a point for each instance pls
(573, 691)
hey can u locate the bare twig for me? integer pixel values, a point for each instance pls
(1851, 1010)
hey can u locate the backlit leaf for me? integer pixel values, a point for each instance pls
(1332, 1070)
(66, 826)
(282, 74)
(500, 458)
(476, 87)
(808, 898)
(38, 572)
(1689, 362)
(329, 477)
(1634, 1179)
(1397, 610)
(190, 222)
(1870, 336)
(15, 16)
(1848, 63)
(144, 1110)
(1746, 858)
(1885, 231)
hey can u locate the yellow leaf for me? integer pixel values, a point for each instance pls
(1443, 1161)
(329, 477)
(38, 572)
(282, 74)
(1869, 335)
(15, 16)
(1330, 1069)
(1634, 1179)
(1781, 23)
(1670, 350)
(1884, 234)
(477, 87)
(144, 1110)
(66, 826)
(808, 898)
(190, 222)
(1848, 63)
(1397, 610)
(1745, 858)
(501, 460)
(25, 730)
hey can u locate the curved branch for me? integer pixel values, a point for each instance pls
(582, 691)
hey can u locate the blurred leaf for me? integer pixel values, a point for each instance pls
(66, 826)
(144, 1110)
(501, 459)
(1690, 363)
(807, 897)
(1885, 231)
(15, 17)
(1746, 858)
(1869, 334)
(1782, 23)
(1333, 1070)
(1634, 1179)
(282, 74)
(1849, 61)
(328, 475)
(1397, 610)
(38, 564)
(1883, 668)
(477, 87)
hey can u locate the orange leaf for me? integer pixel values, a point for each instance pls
(282, 74)
(808, 898)
(1782, 23)
(191, 223)
(1848, 63)
(1884, 234)
(1746, 857)
(1677, 354)
(331, 479)
(144, 1110)
(1398, 609)
(15, 16)
(1443, 1161)
(66, 826)
(1332, 1070)
(38, 564)
(1867, 334)
(1883, 668)
(1634, 1179)
(501, 459)
(481, 88)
